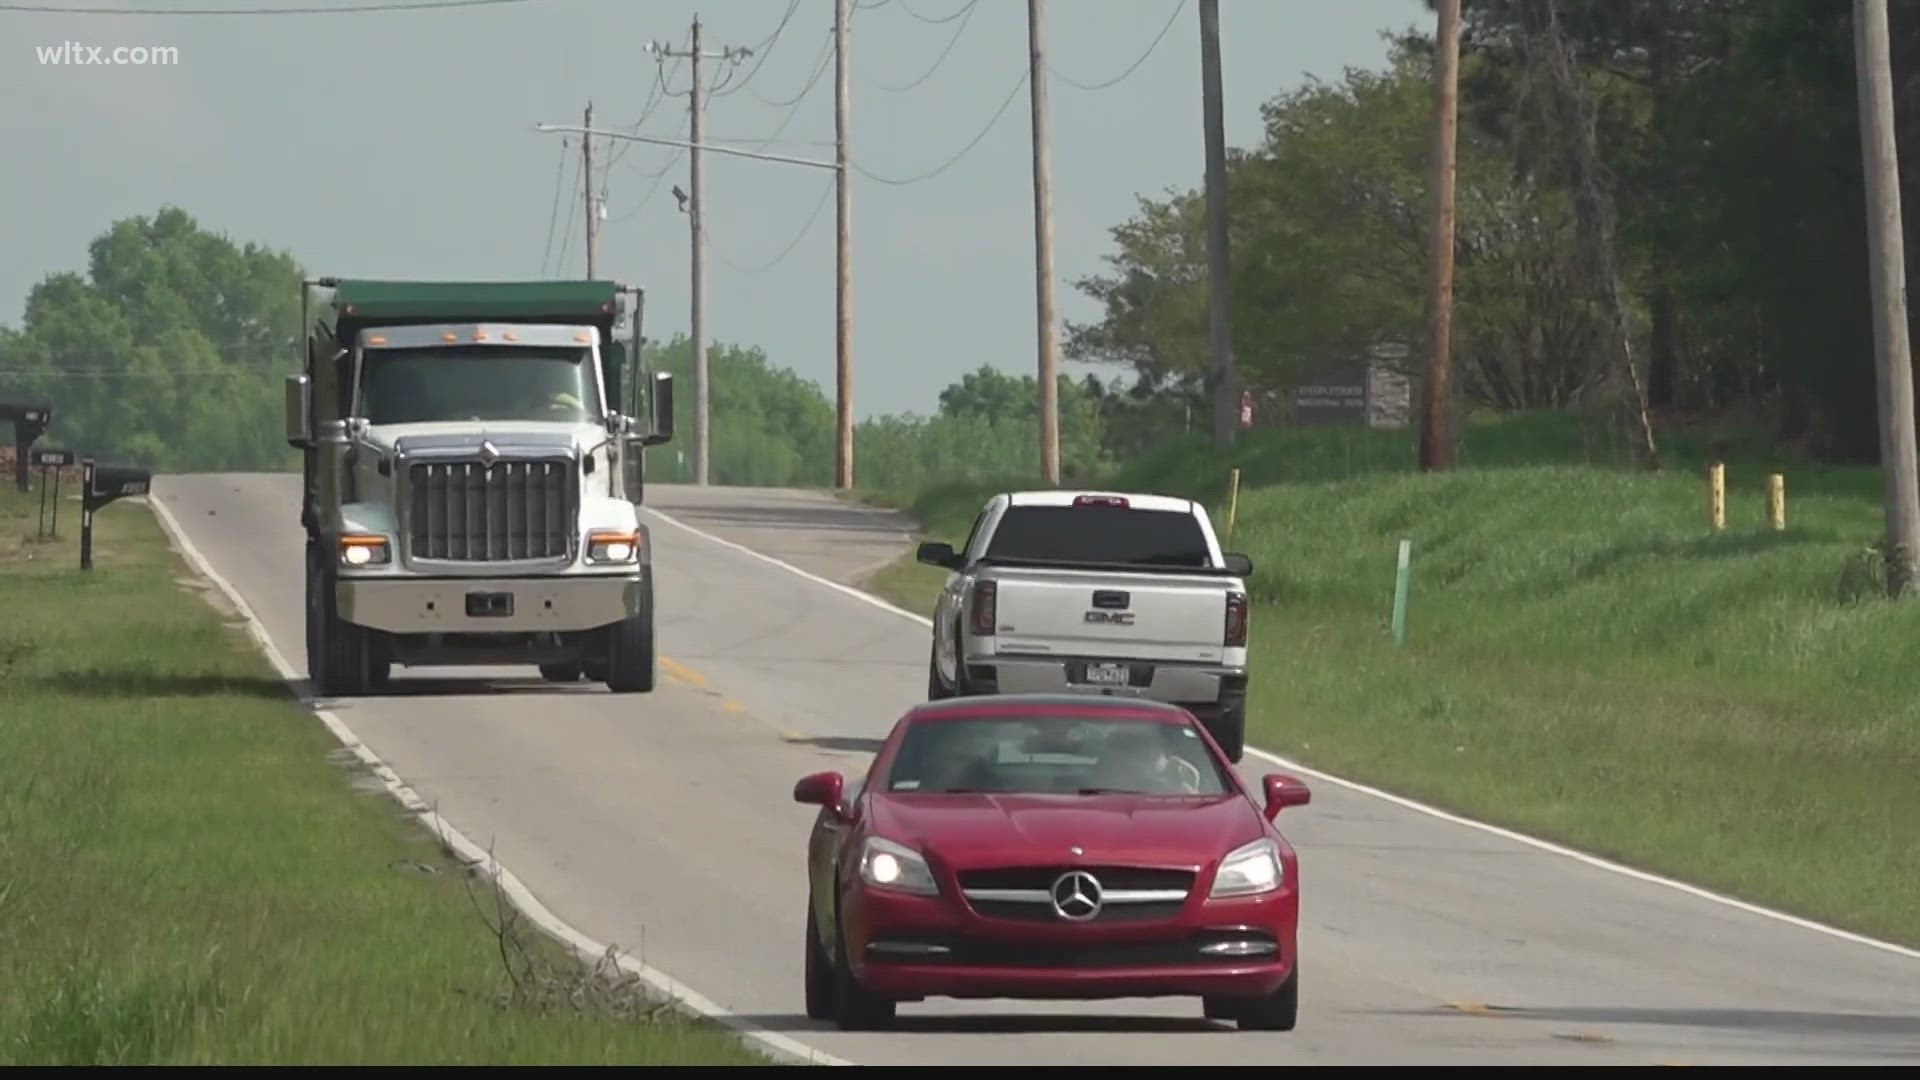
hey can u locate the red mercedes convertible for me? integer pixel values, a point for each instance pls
(1050, 846)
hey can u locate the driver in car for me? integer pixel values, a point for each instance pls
(1138, 761)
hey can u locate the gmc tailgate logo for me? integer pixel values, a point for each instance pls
(1116, 618)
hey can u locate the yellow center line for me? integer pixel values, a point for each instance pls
(681, 673)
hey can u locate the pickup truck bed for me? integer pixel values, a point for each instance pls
(1099, 593)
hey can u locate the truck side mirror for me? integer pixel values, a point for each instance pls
(662, 404)
(299, 411)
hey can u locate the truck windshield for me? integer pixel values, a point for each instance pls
(1102, 534)
(484, 382)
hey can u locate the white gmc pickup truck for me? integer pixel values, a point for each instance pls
(1095, 592)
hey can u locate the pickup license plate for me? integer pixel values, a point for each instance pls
(1108, 674)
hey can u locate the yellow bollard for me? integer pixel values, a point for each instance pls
(1717, 495)
(1777, 501)
(1233, 499)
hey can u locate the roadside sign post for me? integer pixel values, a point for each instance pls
(51, 461)
(100, 485)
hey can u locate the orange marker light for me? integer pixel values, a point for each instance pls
(581, 337)
(449, 336)
(376, 340)
(509, 336)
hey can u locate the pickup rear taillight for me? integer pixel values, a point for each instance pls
(1236, 637)
(981, 611)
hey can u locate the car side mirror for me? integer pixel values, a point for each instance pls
(299, 411)
(824, 789)
(1284, 791)
(938, 553)
(1238, 565)
(662, 408)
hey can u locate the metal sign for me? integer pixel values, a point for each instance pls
(1334, 397)
(50, 461)
(100, 485)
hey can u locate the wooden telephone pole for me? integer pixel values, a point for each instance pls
(1436, 442)
(843, 256)
(593, 204)
(1226, 397)
(1893, 362)
(1043, 246)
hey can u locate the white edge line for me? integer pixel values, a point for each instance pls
(781, 1047)
(1397, 800)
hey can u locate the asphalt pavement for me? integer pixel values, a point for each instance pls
(664, 823)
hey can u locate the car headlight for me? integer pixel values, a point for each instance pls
(887, 865)
(1249, 870)
(363, 549)
(613, 545)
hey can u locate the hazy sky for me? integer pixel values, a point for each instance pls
(400, 144)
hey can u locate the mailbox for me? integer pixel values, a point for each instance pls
(100, 485)
(29, 423)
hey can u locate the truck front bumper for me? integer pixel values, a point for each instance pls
(1204, 689)
(401, 605)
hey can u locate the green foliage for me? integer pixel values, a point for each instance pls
(168, 353)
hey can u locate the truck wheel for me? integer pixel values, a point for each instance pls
(1229, 729)
(560, 672)
(936, 690)
(630, 659)
(344, 650)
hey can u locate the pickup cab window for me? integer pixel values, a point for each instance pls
(1100, 534)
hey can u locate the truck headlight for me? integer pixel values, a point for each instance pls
(612, 546)
(362, 549)
(1249, 870)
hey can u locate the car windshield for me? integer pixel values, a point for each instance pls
(1104, 534)
(1055, 755)
(485, 382)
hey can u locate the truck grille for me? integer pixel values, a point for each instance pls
(464, 511)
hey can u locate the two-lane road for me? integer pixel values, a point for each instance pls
(663, 823)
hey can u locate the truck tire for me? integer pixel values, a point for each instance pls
(345, 651)
(936, 687)
(630, 652)
(1229, 729)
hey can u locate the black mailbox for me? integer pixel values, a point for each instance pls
(100, 485)
(29, 423)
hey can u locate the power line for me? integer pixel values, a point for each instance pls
(762, 51)
(1135, 66)
(963, 152)
(966, 13)
(793, 107)
(791, 244)
(553, 217)
(423, 5)
(820, 68)
(924, 19)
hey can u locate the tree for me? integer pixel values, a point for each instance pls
(169, 352)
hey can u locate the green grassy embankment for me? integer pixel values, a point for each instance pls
(1585, 659)
(190, 875)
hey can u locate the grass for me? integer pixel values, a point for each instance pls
(189, 874)
(1586, 660)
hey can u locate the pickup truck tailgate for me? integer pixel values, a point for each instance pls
(1144, 616)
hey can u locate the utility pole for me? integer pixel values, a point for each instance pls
(1219, 313)
(1873, 74)
(696, 207)
(1043, 247)
(593, 217)
(843, 255)
(1436, 445)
